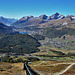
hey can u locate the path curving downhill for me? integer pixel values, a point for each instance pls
(39, 63)
(60, 73)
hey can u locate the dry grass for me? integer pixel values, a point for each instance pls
(46, 51)
(11, 68)
(71, 71)
(35, 63)
(51, 69)
(50, 62)
(63, 50)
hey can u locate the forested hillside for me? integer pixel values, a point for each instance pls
(4, 30)
(19, 43)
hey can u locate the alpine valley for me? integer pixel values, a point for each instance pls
(45, 43)
(56, 31)
(33, 25)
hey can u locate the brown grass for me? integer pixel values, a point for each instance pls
(51, 69)
(11, 68)
(47, 49)
(63, 50)
(71, 71)
(50, 62)
(44, 51)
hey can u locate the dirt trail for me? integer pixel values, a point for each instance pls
(51, 64)
(39, 63)
(65, 69)
(58, 73)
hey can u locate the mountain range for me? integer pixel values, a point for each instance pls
(32, 25)
(45, 21)
(7, 21)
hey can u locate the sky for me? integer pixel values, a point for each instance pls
(19, 8)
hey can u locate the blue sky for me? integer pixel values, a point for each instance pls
(20, 8)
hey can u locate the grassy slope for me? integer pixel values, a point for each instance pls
(10, 68)
(71, 71)
(52, 67)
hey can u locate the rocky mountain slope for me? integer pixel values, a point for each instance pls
(45, 21)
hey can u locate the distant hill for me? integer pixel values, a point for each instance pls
(7, 21)
(4, 30)
(54, 32)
